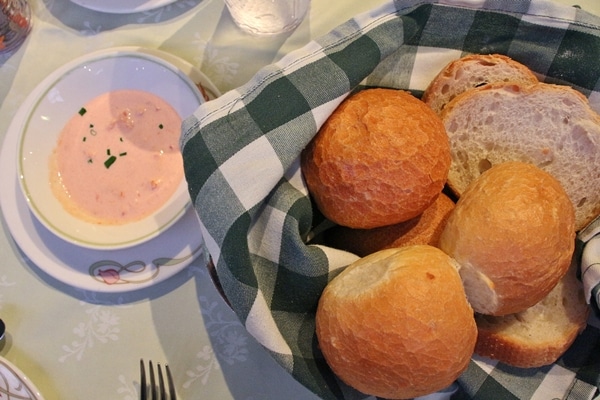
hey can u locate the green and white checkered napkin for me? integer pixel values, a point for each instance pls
(241, 161)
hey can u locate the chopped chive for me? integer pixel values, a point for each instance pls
(109, 161)
(123, 154)
(82, 111)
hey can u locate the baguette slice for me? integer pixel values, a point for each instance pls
(472, 71)
(550, 126)
(539, 335)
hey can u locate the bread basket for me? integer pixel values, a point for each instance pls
(241, 160)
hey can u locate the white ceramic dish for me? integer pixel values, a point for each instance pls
(122, 6)
(14, 384)
(58, 98)
(106, 271)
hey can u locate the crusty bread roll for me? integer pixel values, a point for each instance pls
(424, 229)
(381, 158)
(396, 324)
(513, 234)
(472, 71)
(539, 335)
(547, 125)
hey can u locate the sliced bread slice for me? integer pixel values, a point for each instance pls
(539, 335)
(550, 126)
(472, 71)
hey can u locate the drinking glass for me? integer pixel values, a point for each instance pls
(267, 17)
(15, 24)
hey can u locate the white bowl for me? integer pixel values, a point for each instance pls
(69, 88)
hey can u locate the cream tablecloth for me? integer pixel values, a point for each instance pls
(79, 344)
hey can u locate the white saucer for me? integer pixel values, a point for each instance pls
(97, 270)
(122, 6)
(14, 384)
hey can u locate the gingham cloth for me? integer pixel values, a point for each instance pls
(241, 162)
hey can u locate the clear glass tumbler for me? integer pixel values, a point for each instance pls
(267, 17)
(15, 24)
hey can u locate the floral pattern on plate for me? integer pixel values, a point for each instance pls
(113, 272)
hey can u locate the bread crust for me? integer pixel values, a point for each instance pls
(424, 229)
(539, 335)
(381, 158)
(513, 233)
(470, 72)
(396, 324)
(550, 126)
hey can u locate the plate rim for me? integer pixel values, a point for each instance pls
(97, 5)
(25, 381)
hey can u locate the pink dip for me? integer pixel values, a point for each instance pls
(117, 160)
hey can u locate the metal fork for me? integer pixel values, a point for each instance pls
(156, 392)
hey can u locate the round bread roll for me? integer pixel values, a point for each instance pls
(424, 229)
(513, 233)
(397, 324)
(381, 158)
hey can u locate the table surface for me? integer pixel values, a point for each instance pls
(75, 343)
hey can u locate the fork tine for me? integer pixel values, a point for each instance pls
(172, 394)
(142, 380)
(157, 391)
(152, 382)
(161, 384)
